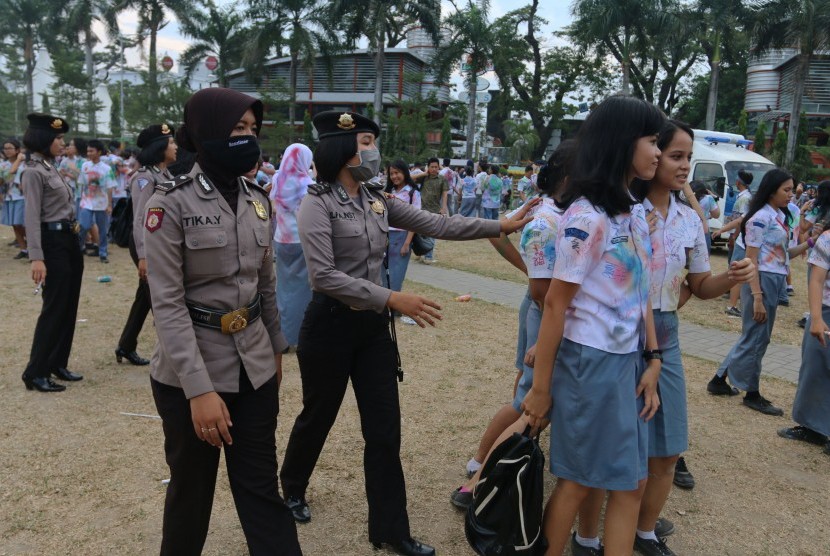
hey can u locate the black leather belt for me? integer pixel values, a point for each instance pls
(71, 226)
(228, 323)
(331, 303)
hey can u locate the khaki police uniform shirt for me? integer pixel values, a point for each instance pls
(142, 185)
(344, 240)
(199, 251)
(48, 199)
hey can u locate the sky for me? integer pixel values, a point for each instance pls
(172, 43)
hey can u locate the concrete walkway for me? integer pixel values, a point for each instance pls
(780, 361)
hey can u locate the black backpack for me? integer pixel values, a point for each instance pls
(505, 517)
(121, 225)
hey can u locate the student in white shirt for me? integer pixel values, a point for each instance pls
(596, 322)
(766, 233)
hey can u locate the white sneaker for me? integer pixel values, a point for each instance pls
(472, 467)
(407, 320)
(429, 261)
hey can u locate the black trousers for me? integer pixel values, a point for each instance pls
(252, 471)
(337, 344)
(55, 327)
(138, 312)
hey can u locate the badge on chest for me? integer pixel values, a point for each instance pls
(261, 213)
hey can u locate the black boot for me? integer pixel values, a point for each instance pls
(130, 356)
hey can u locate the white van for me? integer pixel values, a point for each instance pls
(716, 159)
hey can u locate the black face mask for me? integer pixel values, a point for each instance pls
(235, 155)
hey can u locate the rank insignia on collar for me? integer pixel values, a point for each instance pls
(46, 164)
(260, 210)
(341, 193)
(203, 181)
(377, 206)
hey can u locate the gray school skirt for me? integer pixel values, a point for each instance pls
(668, 430)
(597, 438)
(812, 399)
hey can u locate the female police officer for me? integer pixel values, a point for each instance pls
(217, 365)
(52, 233)
(158, 149)
(343, 225)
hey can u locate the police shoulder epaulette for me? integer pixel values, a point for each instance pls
(373, 185)
(319, 188)
(175, 183)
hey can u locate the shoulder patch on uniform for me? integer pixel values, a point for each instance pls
(155, 216)
(142, 183)
(175, 183)
(319, 188)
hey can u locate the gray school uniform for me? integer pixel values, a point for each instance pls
(811, 407)
(743, 362)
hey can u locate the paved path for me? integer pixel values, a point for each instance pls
(706, 343)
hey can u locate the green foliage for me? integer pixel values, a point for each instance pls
(445, 148)
(779, 148)
(308, 130)
(743, 120)
(12, 113)
(218, 31)
(169, 106)
(522, 140)
(407, 128)
(760, 139)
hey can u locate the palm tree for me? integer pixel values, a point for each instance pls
(472, 38)
(720, 19)
(152, 17)
(308, 27)
(800, 24)
(219, 32)
(381, 22)
(80, 15)
(615, 25)
(522, 138)
(27, 24)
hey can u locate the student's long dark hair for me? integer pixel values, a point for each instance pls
(606, 144)
(552, 175)
(769, 185)
(822, 203)
(403, 168)
(640, 188)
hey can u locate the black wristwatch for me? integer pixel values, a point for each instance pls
(650, 355)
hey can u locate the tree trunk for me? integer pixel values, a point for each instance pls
(90, 92)
(292, 92)
(712, 101)
(471, 107)
(800, 83)
(626, 67)
(29, 57)
(379, 62)
(152, 73)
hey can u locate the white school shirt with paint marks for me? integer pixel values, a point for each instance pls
(538, 241)
(767, 231)
(678, 247)
(609, 258)
(820, 257)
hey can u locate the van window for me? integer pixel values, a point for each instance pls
(757, 169)
(709, 173)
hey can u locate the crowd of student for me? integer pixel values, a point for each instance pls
(614, 241)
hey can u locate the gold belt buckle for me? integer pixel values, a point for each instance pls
(235, 321)
(76, 227)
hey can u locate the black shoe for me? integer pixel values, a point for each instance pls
(130, 356)
(42, 384)
(104, 260)
(804, 434)
(764, 406)
(299, 509)
(682, 477)
(802, 322)
(719, 387)
(408, 547)
(21, 255)
(663, 528)
(67, 375)
(579, 550)
(650, 547)
(461, 499)
(783, 303)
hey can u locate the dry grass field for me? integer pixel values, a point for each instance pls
(78, 477)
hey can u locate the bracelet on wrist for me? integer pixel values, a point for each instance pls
(757, 293)
(652, 354)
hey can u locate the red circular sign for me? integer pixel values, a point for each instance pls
(167, 63)
(211, 62)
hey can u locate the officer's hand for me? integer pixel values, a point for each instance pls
(211, 419)
(510, 226)
(142, 269)
(38, 272)
(742, 271)
(418, 308)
